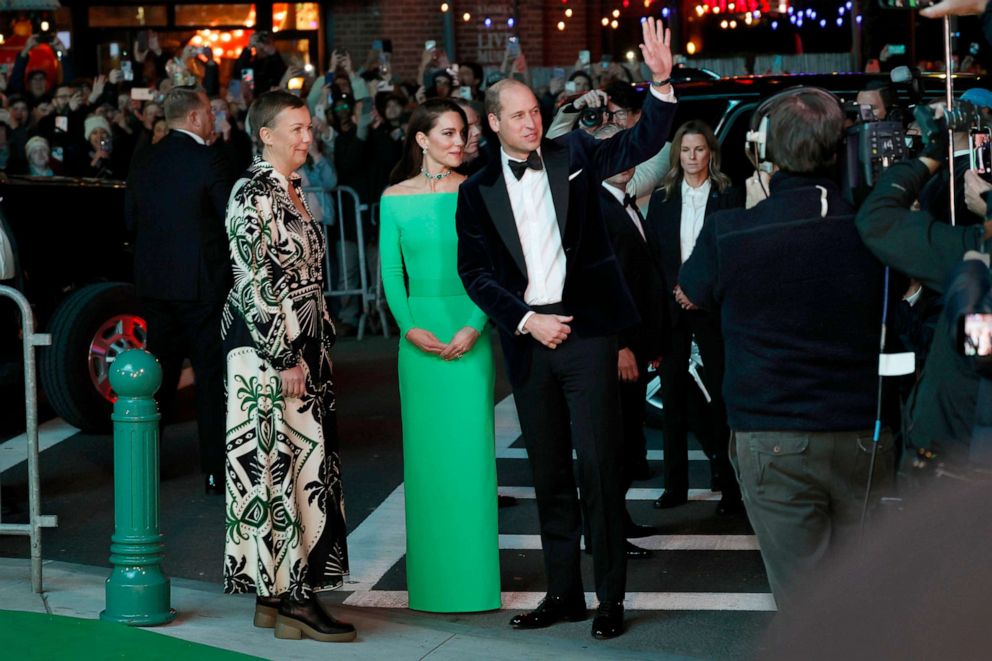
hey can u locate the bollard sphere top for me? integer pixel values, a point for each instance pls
(135, 373)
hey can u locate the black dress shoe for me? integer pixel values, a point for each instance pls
(636, 552)
(668, 500)
(298, 619)
(266, 610)
(730, 506)
(635, 531)
(213, 484)
(551, 610)
(505, 501)
(608, 622)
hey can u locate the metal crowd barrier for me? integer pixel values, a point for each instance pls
(37, 521)
(371, 295)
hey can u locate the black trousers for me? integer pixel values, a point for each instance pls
(676, 382)
(191, 329)
(570, 399)
(632, 396)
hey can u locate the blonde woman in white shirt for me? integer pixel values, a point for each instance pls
(693, 188)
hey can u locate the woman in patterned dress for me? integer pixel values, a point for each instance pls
(285, 535)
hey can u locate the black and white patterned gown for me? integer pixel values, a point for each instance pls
(285, 529)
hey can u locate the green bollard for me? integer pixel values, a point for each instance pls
(138, 593)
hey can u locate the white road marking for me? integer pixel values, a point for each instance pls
(654, 543)
(632, 494)
(653, 455)
(660, 601)
(15, 450)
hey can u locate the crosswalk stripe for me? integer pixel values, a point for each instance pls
(654, 543)
(665, 601)
(632, 494)
(653, 455)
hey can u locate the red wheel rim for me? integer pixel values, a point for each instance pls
(115, 336)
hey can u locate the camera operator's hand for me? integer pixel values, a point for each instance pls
(592, 99)
(955, 8)
(974, 193)
(933, 129)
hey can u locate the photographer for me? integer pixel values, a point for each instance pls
(935, 195)
(941, 408)
(619, 104)
(800, 299)
(263, 59)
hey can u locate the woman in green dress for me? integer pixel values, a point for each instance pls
(446, 376)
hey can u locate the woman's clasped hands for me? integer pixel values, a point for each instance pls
(460, 344)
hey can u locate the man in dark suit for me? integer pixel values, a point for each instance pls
(534, 254)
(640, 345)
(176, 197)
(709, 420)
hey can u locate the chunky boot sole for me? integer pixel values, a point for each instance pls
(289, 629)
(265, 616)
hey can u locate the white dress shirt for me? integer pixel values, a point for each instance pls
(693, 214)
(634, 217)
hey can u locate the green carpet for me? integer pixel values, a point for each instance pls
(41, 636)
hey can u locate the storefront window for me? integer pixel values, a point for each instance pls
(115, 17)
(295, 16)
(200, 15)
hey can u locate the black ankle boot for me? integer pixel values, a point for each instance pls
(266, 609)
(297, 619)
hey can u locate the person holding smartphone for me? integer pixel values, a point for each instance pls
(264, 61)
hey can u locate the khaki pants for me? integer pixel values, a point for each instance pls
(804, 493)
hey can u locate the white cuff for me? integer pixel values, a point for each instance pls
(667, 97)
(523, 322)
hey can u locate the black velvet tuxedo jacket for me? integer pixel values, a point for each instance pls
(491, 259)
(640, 263)
(665, 221)
(175, 204)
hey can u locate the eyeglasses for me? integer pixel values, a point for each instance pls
(617, 116)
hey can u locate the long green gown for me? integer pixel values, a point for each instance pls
(449, 464)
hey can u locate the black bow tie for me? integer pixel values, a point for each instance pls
(533, 162)
(629, 201)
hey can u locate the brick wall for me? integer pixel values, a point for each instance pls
(353, 24)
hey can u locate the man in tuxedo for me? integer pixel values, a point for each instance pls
(637, 252)
(534, 254)
(175, 203)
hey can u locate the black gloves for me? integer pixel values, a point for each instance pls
(934, 132)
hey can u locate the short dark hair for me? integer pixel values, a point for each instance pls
(34, 73)
(476, 70)
(625, 95)
(264, 109)
(181, 101)
(805, 129)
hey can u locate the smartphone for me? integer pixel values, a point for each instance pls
(584, 57)
(897, 49)
(142, 94)
(62, 123)
(234, 89)
(513, 45)
(377, 45)
(4, 68)
(248, 77)
(605, 61)
(106, 145)
(430, 44)
(219, 118)
(143, 40)
(905, 4)
(387, 87)
(295, 85)
(976, 335)
(980, 151)
(570, 86)
(464, 91)
(127, 70)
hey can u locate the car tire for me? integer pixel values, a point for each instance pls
(89, 329)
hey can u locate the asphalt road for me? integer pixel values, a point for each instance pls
(695, 593)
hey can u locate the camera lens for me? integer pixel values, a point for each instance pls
(591, 117)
